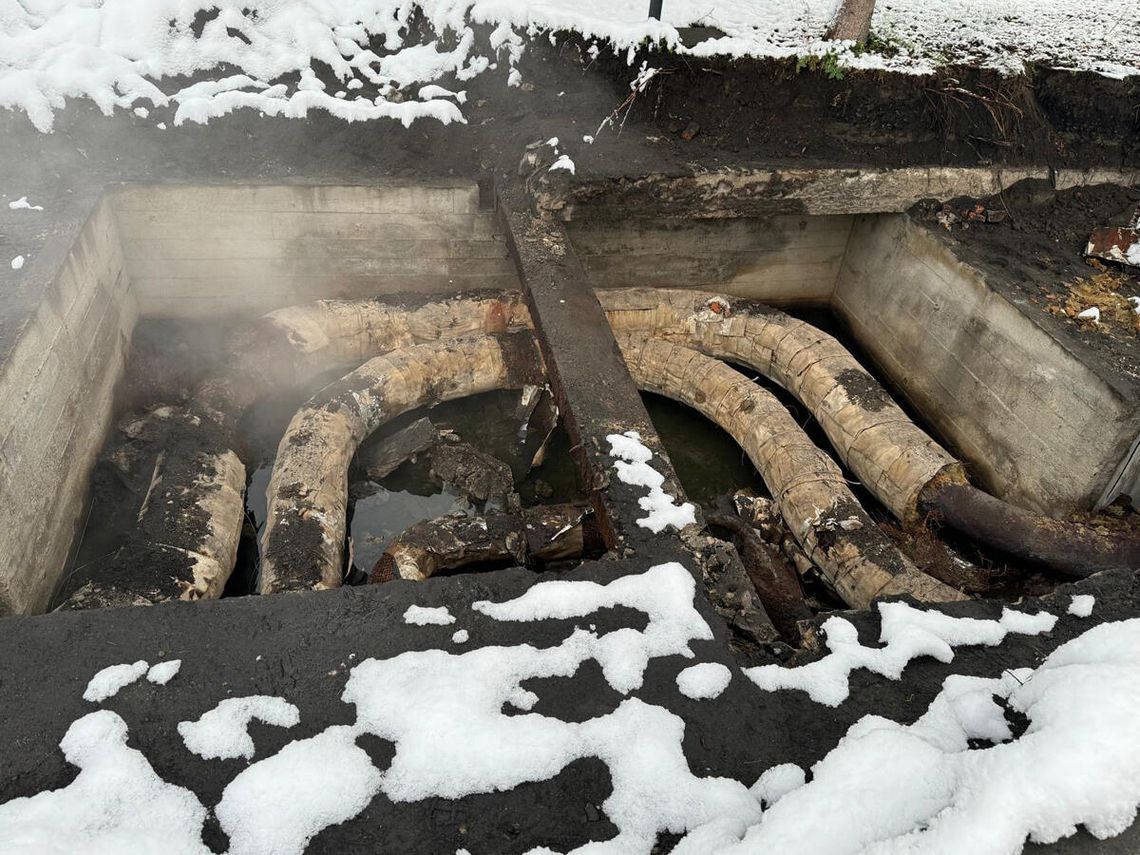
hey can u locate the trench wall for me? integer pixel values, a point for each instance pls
(56, 395)
(186, 251)
(1032, 422)
(781, 258)
(246, 250)
(1035, 425)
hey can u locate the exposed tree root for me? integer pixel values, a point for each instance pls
(857, 560)
(545, 533)
(303, 541)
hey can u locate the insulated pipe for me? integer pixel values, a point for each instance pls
(290, 347)
(824, 517)
(904, 468)
(190, 523)
(891, 456)
(304, 537)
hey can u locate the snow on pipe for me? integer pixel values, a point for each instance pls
(905, 469)
(823, 515)
(302, 546)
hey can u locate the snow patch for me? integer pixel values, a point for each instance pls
(1082, 605)
(117, 803)
(425, 615)
(563, 162)
(106, 683)
(664, 593)
(633, 468)
(777, 782)
(460, 636)
(163, 672)
(17, 262)
(279, 804)
(922, 788)
(222, 733)
(704, 681)
(906, 634)
(1092, 314)
(22, 204)
(123, 53)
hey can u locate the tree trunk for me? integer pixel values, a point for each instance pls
(852, 21)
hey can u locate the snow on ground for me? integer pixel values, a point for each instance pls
(117, 803)
(107, 682)
(460, 636)
(962, 778)
(17, 262)
(121, 53)
(163, 672)
(704, 681)
(22, 204)
(1082, 605)
(906, 634)
(632, 465)
(892, 788)
(222, 733)
(428, 615)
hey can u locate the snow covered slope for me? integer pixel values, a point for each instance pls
(121, 53)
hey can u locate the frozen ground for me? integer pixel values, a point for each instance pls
(464, 723)
(364, 59)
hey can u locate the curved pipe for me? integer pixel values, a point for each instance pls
(290, 347)
(824, 517)
(190, 522)
(891, 456)
(303, 541)
(900, 464)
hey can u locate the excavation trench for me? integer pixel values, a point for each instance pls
(337, 441)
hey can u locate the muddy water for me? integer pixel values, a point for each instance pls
(707, 460)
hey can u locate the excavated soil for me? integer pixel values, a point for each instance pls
(1034, 255)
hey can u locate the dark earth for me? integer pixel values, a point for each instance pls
(706, 114)
(1034, 254)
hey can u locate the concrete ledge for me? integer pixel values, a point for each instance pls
(764, 192)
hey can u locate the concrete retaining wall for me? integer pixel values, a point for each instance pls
(1035, 425)
(784, 259)
(56, 390)
(183, 251)
(246, 249)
